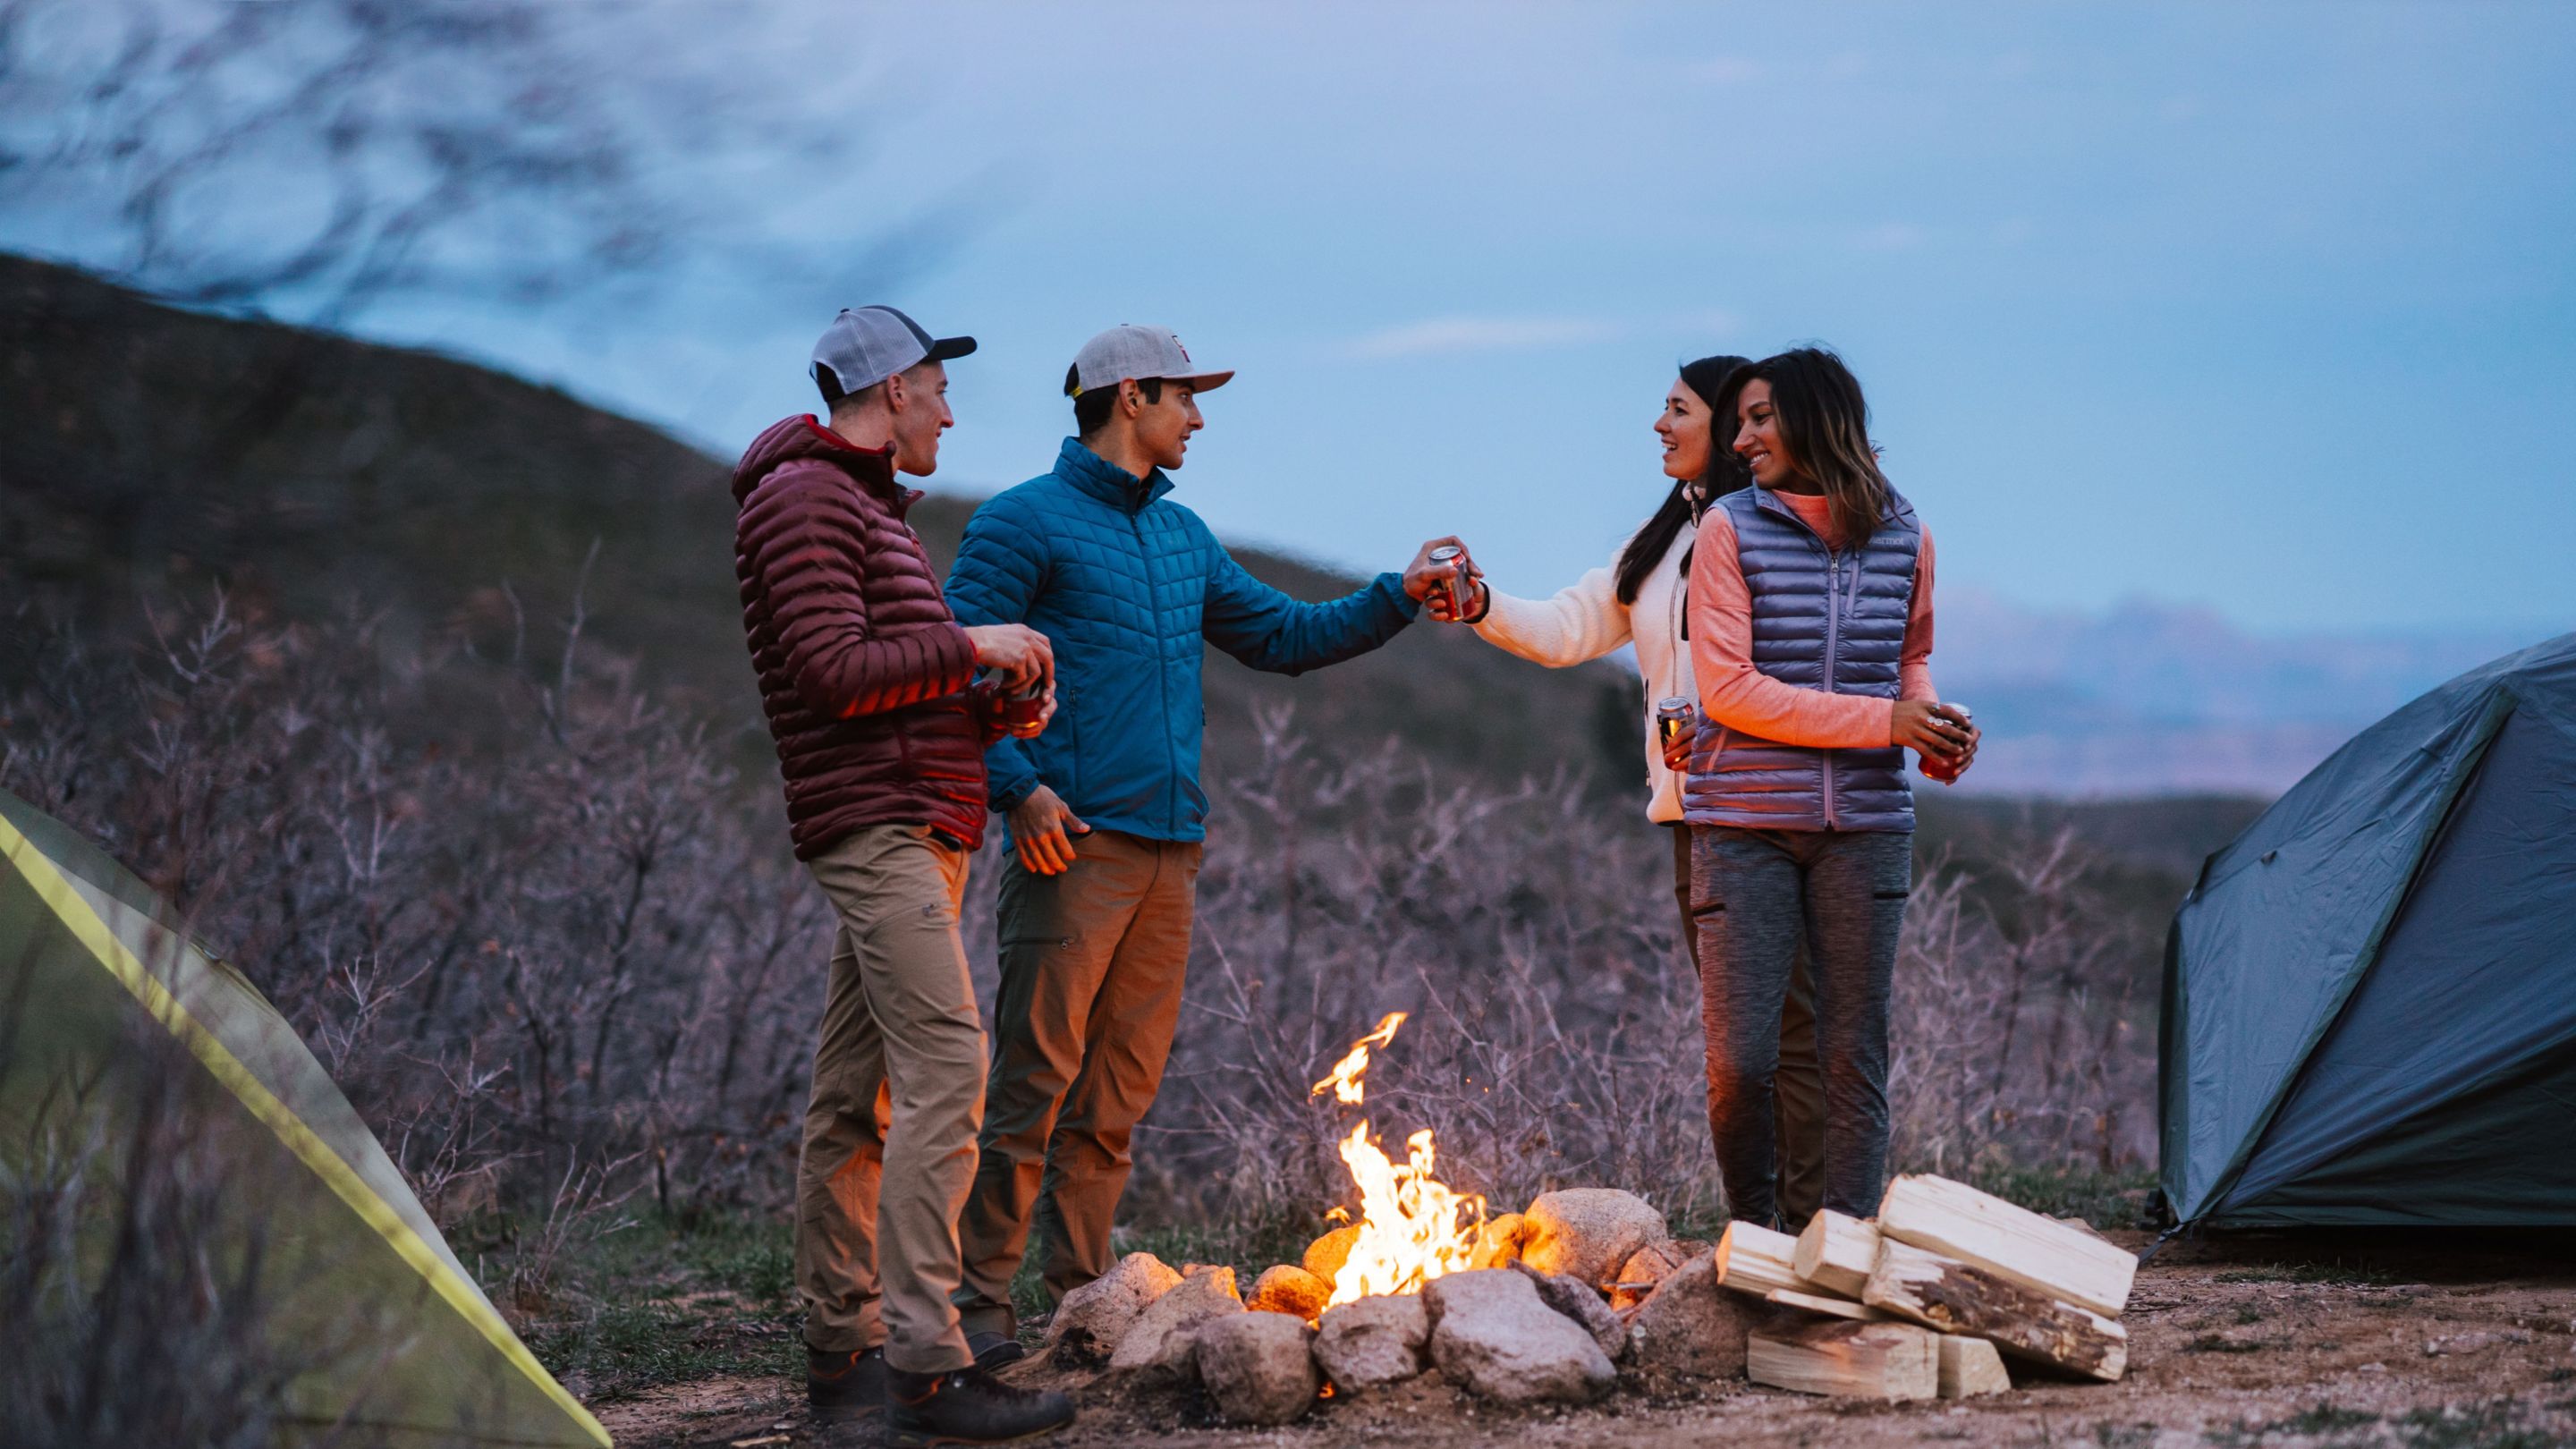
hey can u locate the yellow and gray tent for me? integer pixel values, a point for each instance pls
(89, 956)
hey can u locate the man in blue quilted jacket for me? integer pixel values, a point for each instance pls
(1106, 814)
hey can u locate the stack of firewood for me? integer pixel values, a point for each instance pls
(1927, 1299)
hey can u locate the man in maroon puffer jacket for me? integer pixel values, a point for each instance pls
(870, 691)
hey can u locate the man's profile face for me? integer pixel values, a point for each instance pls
(1163, 427)
(922, 418)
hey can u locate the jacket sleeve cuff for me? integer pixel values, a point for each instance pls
(1009, 777)
(1396, 607)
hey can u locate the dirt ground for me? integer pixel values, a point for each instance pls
(2435, 1340)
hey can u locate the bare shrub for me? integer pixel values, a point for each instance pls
(532, 924)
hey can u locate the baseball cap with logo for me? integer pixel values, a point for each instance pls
(1138, 352)
(866, 345)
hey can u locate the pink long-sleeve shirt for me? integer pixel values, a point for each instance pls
(1741, 697)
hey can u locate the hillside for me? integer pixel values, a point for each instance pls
(157, 450)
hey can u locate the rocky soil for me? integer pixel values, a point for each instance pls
(2435, 1341)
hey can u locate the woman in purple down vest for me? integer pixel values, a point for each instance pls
(1637, 600)
(1811, 640)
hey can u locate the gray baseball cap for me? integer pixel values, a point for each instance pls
(1139, 352)
(866, 345)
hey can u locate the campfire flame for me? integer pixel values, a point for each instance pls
(1344, 1079)
(1413, 1228)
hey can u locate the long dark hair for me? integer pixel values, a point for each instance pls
(1725, 473)
(1824, 420)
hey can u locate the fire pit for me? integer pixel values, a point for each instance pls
(1925, 1301)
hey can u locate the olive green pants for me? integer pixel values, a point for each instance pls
(1798, 1092)
(898, 1095)
(1092, 966)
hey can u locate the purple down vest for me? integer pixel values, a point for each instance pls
(1821, 620)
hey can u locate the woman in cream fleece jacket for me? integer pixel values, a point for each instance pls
(1639, 598)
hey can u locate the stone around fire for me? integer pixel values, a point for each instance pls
(1093, 1318)
(1498, 1244)
(1373, 1342)
(1257, 1367)
(1587, 1232)
(1287, 1288)
(1326, 1255)
(1491, 1333)
(1690, 1328)
(1581, 1304)
(1157, 1347)
(1649, 1266)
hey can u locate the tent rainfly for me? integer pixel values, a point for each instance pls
(2370, 996)
(415, 1354)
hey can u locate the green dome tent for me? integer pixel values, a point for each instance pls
(360, 1281)
(2370, 996)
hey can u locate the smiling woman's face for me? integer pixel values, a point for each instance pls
(1684, 427)
(1757, 435)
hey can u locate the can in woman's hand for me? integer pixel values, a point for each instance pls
(1454, 593)
(1674, 717)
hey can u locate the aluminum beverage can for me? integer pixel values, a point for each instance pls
(1455, 590)
(1674, 716)
(1021, 708)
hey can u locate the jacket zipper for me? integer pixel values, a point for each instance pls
(1162, 677)
(1833, 652)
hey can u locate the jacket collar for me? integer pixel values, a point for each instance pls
(1106, 481)
(1769, 501)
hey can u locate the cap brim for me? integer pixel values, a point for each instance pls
(947, 347)
(1207, 381)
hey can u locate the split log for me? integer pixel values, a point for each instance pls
(1832, 1307)
(1836, 1251)
(1863, 1360)
(2040, 1253)
(1970, 1367)
(1755, 1260)
(1958, 1297)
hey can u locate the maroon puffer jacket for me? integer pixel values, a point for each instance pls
(863, 673)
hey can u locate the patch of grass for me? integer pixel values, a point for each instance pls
(2336, 1271)
(2325, 1419)
(2494, 1424)
(2123, 1436)
(2216, 1343)
(2104, 1199)
(2249, 1314)
(669, 1300)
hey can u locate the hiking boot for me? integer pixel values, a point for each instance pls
(968, 1406)
(992, 1350)
(846, 1385)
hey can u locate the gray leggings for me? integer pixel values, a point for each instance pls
(1753, 892)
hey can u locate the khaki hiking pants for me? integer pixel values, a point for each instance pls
(898, 1095)
(1092, 965)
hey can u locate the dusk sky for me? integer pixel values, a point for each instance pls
(2266, 308)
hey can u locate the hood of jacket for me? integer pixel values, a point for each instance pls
(803, 436)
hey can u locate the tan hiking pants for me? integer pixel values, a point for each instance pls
(1092, 966)
(898, 1095)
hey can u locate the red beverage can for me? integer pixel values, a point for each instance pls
(1458, 590)
(1020, 709)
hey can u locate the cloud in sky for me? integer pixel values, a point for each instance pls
(1481, 334)
(1437, 336)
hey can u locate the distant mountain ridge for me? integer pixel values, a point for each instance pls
(152, 451)
(2151, 698)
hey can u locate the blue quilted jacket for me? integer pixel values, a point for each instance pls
(1125, 584)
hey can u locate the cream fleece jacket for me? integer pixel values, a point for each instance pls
(1585, 621)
